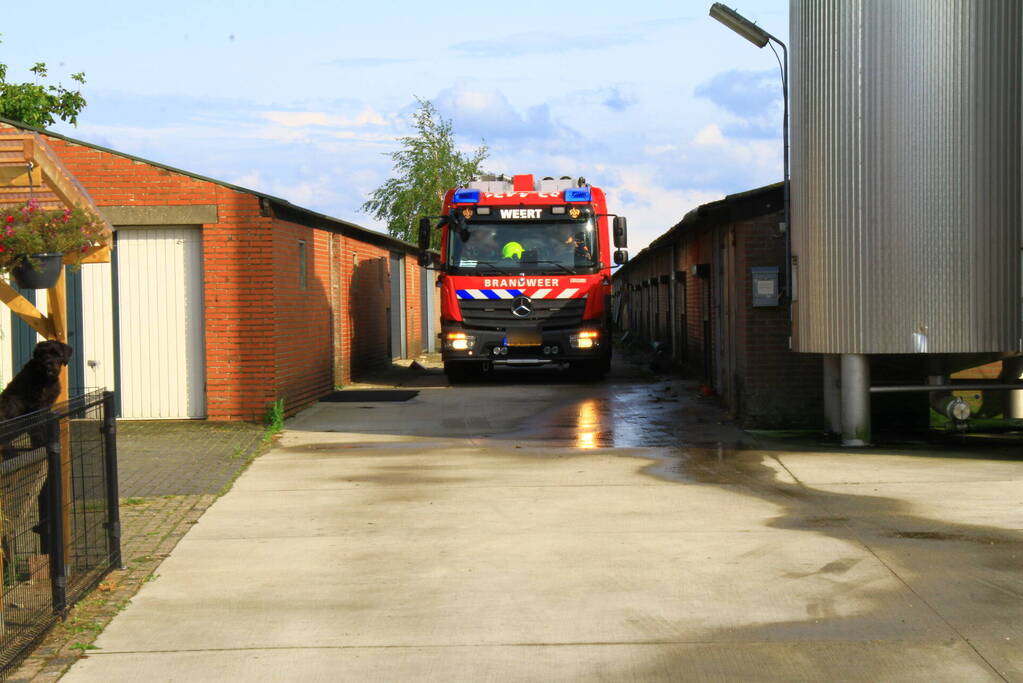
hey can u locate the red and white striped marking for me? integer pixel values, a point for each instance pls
(531, 292)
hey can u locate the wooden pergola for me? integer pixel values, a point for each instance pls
(29, 169)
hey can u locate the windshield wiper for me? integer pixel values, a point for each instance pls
(559, 265)
(492, 265)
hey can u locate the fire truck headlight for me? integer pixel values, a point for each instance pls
(585, 339)
(460, 341)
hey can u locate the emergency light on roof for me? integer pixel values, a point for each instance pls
(578, 194)
(464, 196)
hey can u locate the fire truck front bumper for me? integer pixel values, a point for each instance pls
(525, 347)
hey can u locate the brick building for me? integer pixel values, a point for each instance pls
(693, 289)
(221, 300)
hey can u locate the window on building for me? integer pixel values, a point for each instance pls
(303, 278)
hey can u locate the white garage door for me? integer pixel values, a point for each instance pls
(160, 322)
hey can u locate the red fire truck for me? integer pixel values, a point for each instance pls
(525, 275)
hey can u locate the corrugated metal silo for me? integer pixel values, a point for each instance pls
(906, 185)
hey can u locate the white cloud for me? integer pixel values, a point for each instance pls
(488, 114)
(651, 207)
(367, 117)
(709, 135)
(659, 149)
(539, 42)
(251, 181)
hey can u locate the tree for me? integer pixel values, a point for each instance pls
(425, 167)
(40, 105)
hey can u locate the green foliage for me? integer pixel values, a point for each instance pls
(274, 418)
(79, 625)
(82, 647)
(40, 105)
(427, 165)
(31, 229)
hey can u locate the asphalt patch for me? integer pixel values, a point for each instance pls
(369, 395)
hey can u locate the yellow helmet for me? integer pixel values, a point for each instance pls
(512, 250)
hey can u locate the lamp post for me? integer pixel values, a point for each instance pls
(759, 37)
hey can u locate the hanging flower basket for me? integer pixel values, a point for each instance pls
(38, 271)
(33, 240)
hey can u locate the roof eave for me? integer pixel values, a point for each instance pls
(300, 215)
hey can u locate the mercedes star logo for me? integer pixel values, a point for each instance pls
(521, 306)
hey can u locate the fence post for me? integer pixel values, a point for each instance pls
(58, 568)
(113, 493)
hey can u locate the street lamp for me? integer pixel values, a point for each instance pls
(759, 37)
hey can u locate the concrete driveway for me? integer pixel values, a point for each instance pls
(538, 529)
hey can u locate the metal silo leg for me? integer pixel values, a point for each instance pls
(855, 400)
(1014, 406)
(833, 392)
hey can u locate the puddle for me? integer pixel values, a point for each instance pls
(658, 415)
(942, 536)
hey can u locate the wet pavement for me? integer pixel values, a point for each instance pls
(532, 527)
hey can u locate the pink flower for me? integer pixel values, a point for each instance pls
(10, 231)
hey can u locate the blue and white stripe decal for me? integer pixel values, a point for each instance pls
(488, 293)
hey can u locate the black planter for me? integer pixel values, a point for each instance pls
(42, 275)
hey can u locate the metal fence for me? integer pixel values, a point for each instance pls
(60, 524)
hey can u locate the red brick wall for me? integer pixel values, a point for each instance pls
(364, 296)
(237, 264)
(266, 337)
(779, 388)
(770, 386)
(238, 282)
(303, 335)
(413, 307)
(692, 251)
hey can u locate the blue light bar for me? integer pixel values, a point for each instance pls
(578, 194)
(466, 197)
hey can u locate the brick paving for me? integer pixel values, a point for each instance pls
(170, 472)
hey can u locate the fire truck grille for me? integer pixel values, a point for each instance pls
(496, 314)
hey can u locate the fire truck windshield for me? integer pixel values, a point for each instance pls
(534, 247)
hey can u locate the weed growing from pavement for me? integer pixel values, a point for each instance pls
(268, 434)
(81, 626)
(134, 501)
(274, 419)
(83, 646)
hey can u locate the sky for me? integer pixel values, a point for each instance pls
(655, 102)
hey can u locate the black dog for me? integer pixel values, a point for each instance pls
(37, 385)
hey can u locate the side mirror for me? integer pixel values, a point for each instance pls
(424, 233)
(621, 236)
(621, 256)
(425, 259)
